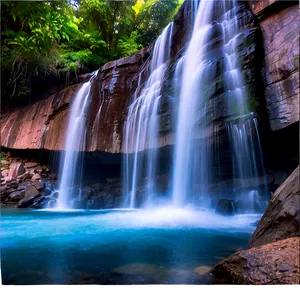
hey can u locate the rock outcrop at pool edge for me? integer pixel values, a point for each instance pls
(273, 257)
(281, 219)
(273, 263)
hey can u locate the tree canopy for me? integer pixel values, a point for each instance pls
(64, 38)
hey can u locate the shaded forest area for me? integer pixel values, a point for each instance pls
(48, 44)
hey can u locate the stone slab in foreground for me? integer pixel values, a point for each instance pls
(274, 263)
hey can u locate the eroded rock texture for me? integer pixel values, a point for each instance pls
(274, 263)
(281, 219)
(279, 22)
(43, 124)
(39, 125)
(273, 257)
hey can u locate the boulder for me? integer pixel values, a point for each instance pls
(38, 185)
(27, 201)
(24, 185)
(36, 177)
(3, 193)
(31, 191)
(101, 194)
(274, 263)
(30, 165)
(117, 192)
(97, 187)
(281, 219)
(16, 196)
(24, 176)
(46, 192)
(7, 179)
(94, 204)
(225, 207)
(106, 189)
(4, 173)
(109, 201)
(40, 202)
(86, 190)
(16, 169)
(118, 201)
(32, 172)
(13, 185)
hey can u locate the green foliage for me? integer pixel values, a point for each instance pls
(3, 156)
(129, 45)
(67, 37)
(296, 62)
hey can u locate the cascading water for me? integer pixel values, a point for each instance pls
(71, 160)
(142, 124)
(194, 68)
(196, 131)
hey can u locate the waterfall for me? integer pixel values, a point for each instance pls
(141, 130)
(196, 129)
(195, 67)
(70, 171)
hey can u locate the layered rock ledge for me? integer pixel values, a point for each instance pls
(279, 23)
(42, 125)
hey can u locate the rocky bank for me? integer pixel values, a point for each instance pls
(274, 249)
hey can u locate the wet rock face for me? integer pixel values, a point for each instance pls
(281, 219)
(38, 125)
(274, 263)
(110, 97)
(44, 124)
(279, 22)
(215, 113)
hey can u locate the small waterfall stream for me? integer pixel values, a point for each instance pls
(70, 171)
(142, 124)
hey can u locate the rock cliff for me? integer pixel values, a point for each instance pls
(42, 125)
(279, 23)
(111, 93)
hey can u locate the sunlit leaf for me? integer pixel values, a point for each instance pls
(138, 7)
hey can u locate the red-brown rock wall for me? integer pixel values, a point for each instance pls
(279, 22)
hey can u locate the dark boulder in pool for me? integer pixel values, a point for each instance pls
(27, 201)
(225, 207)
